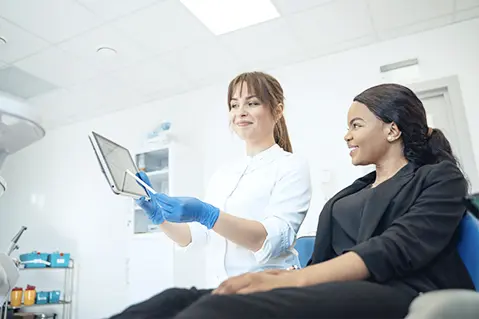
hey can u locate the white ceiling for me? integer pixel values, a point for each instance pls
(164, 50)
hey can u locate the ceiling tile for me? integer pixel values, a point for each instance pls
(105, 93)
(286, 7)
(84, 46)
(389, 14)
(58, 67)
(111, 9)
(19, 42)
(163, 27)
(55, 98)
(98, 91)
(415, 28)
(55, 108)
(467, 14)
(160, 75)
(343, 46)
(264, 46)
(90, 99)
(53, 20)
(466, 4)
(332, 23)
(208, 62)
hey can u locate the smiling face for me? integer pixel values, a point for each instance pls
(369, 139)
(250, 118)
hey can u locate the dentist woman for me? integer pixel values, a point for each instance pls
(254, 206)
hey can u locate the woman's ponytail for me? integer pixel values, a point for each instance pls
(281, 136)
(396, 103)
(438, 148)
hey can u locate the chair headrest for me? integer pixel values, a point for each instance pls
(472, 204)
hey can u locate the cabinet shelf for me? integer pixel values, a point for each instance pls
(148, 235)
(163, 173)
(70, 266)
(66, 279)
(48, 268)
(61, 303)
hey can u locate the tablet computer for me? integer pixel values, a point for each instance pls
(116, 163)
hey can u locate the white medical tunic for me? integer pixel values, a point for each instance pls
(272, 187)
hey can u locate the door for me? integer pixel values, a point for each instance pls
(444, 108)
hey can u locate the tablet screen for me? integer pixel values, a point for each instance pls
(118, 160)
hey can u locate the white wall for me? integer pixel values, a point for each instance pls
(56, 188)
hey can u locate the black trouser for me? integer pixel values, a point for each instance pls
(357, 299)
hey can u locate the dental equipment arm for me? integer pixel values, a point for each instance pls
(13, 243)
(20, 127)
(9, 272)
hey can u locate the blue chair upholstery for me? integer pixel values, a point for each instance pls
(468, 246)
(304, 246)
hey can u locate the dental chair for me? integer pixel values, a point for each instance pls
(304, 246)
(468, 246)
(456, 303)
(441, 304)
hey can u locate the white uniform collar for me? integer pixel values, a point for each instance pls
(267, 155)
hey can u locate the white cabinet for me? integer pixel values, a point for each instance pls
(173, 169)
(152, 264)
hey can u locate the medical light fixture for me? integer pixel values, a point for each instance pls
(19, 127)
(223, 16)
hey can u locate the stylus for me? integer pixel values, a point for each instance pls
(141, 182)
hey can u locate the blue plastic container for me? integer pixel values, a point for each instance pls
(41, 298)
(54, 296)
(59, 260)
(34, 256)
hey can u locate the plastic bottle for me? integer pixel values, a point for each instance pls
(16, 297)
(30, 295)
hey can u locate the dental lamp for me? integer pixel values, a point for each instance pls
(19, 127)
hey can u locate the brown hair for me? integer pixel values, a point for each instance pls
(268, 91)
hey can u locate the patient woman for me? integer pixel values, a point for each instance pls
(380, 242)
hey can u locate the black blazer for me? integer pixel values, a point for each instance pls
(408, 235)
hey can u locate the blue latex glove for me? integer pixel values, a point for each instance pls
(152, 208)
(187, 209)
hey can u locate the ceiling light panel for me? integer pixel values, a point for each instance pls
(223, 16)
